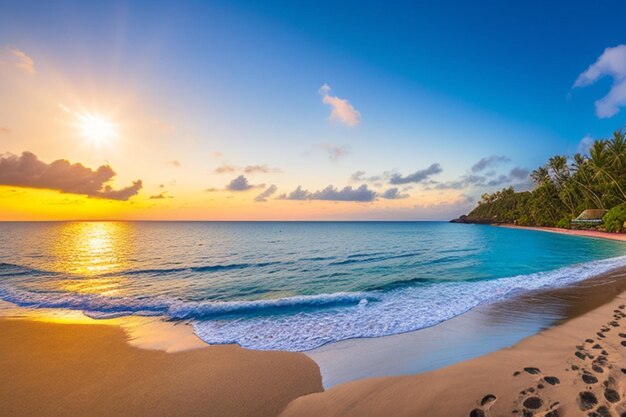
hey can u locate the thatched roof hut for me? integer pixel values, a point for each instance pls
(590, 216)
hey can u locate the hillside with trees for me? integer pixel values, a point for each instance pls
(563, 189)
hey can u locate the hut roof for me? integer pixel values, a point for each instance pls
(591, 214)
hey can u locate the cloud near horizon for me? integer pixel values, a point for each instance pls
(249, 169)
(21, 60)
(489, 162)
(330, 193)
(241, 184)
(28, 171)
(341, 109)
(225, 169)
(417, 176)
(160, 196)
(611, 63)
(519, 173)
(393, 194)
(261, 169)
(262, 198)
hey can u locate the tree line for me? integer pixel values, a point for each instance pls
(564, 188)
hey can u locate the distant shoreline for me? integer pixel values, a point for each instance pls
(583, 233)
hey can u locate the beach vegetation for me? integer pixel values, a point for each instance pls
(563, 188)
(614, 219)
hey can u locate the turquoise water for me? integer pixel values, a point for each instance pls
(287, 285)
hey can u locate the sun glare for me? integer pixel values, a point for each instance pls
(96, 129)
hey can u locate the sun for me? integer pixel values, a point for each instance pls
(96, 129)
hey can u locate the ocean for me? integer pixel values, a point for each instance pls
(288, 285)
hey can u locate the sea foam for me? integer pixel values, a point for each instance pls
(301, 323)
(397, 311)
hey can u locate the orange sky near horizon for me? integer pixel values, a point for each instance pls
(27, 204)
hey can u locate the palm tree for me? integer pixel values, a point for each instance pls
(540, 176)
(616, 148)
(561, 174)
(583, 178)
(600, 159)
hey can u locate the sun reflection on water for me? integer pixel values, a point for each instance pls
(88, 252)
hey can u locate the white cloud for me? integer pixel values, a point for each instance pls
(342, 111)
(609, 105)
(21, 60)
(584, 144)
(611, 63)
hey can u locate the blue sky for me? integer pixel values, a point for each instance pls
(442, 83)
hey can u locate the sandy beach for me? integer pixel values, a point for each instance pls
(59, 369)
(576, 369)
(583, 233)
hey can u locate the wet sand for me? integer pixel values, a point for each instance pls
(61, 369)
(575, 369)
(584, 233)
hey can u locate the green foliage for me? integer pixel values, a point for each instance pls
(564, 223)
(564, 189)
(614, 219)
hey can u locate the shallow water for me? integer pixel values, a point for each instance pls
(282, 285)
(482, 330)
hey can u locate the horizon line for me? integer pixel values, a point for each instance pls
(222, 221)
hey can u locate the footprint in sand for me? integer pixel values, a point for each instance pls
(606, 399)
(531, 401)
(587, 400)
(552, 380)
(611, 395)
(580, 355)
(589, 378)
(534, 405)
(602, 411)
(485, 405)
(532, 371)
